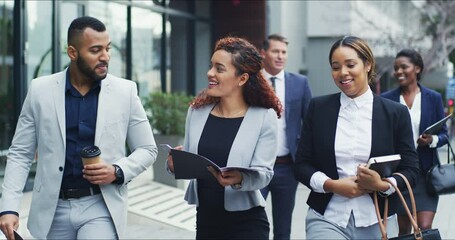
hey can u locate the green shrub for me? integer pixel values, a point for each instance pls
(167, 112)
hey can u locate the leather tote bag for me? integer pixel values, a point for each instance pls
(417, 233)
(440, 179)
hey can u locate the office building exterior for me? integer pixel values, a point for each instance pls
(166, 45)
(163, 45)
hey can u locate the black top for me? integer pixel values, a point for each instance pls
(215, 144)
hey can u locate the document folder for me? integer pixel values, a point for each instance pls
(384, 165)
(436, 128)
(17, 236)
(188, 165)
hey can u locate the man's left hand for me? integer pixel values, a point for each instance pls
(99, 173)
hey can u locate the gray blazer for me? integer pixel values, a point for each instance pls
(41, 129)
(254, 146)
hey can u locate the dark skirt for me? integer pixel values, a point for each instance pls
(425, 201)
(248, 224)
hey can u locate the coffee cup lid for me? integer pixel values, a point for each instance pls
(90, 151)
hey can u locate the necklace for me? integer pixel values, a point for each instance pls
(236, 114)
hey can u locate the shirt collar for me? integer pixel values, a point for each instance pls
(68, 85)
(365, 98)
(279, 76)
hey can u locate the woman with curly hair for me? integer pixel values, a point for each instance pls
(233, 122)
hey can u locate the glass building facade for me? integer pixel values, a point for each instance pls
(156, 43)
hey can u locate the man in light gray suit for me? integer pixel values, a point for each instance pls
(295, 94)
(62, 113)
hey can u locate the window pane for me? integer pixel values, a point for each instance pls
(6, 80)
(178, 52)
(146, 34)
(114, 17)
(68, 12)
(39, 58)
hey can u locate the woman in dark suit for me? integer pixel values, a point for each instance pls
(340, 133)
(425, 107)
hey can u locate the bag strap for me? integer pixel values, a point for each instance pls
(412, 217)
(449, 150)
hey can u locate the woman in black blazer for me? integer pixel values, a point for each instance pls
(340, 133)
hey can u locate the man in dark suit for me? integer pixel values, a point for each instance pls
(295, 94)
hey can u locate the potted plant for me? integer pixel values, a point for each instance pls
(167, 113)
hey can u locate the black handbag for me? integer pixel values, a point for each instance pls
(417, 233)
(440, 179)
(426, 234)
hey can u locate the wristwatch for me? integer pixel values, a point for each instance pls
(119, 177)
(236, 186)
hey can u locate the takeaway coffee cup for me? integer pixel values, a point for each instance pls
(90, 155)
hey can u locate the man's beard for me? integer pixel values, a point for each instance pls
(87, 71)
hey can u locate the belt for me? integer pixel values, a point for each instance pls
(284, 159)
(73, 193)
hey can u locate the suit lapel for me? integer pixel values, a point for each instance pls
(58, 92)
(425, 109)
(330, 115)
(377, 121)
(396, 95)
(288, 86)
(102, 112)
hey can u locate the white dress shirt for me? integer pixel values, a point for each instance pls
(352, 147)
(282, 149)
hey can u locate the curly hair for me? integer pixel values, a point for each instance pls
(246, 59)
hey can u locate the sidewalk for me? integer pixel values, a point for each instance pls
(142, 225)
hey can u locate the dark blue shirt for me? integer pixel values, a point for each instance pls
(80, 115)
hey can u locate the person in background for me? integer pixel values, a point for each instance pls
(62, 113)
(425, 107)
(233, 123)
(295, 94)
(340, 133)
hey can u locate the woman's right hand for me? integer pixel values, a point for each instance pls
(8, 223)
(346, 187)
(170, 161)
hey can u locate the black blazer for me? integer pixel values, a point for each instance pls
(391, 134)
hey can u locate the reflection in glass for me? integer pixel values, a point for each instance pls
(6, 80)
(39, 59)
(68, 12)
(113, 15)
(146, 34)
(178, 40)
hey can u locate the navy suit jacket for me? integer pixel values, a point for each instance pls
(431, 112)
(297, 98)
(391, 134)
